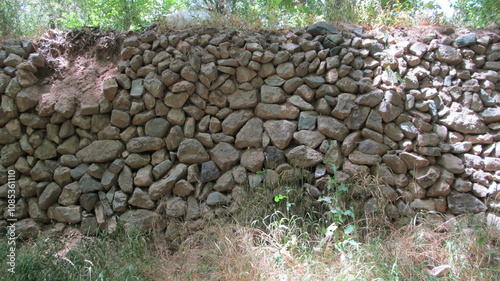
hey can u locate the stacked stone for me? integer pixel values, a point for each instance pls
(194, 116)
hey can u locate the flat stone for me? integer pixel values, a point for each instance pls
(321, 28)
(370, 146)
(100, 151)
(414, 161)
(304, 157)
(490, 115)
(142, 144)
(69, 214)
(216, 198)
(140, 220)
(466, 122)
(243, 99)
(358, 157)
(465, 203)
(276, 111)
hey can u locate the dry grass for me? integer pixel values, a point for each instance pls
(237, 252)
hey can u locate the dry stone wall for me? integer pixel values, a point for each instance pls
(194, 116)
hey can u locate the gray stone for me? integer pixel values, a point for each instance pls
(269, 94)
(183, 188)
(304, 157)
(448, 54)
(465, 203)
(193, 209)
(314, 81)
(466, 122)
(141, 199)
(192, 151)
(332, 128)
(142, 144)
(252, 159)
(100, 151)
(89, 184)
(162, 168)
(224, 155)
(234, 121)
(414, 161)
(250, 134)
(27, 99)
(244, 74)
(69, 214)
(370, 99)
(321, 28)
(358, 157)
(225, 182)
(490, 115)
(47, 150)
(280, 132)
(139, 220)
(209, 171)
(309, 138)
(144, 176)
(162, 187)
(285, 70)
(49, 196)
(396, 164)
(307, 120)
(451, 163)
(174, 138)
(70, 194)
(347, 84)
(216, 198)
(243, 99)
(276, 111)
(176, 207)
(88, 201)
(120, 200)
(370, 146)
(466, 40)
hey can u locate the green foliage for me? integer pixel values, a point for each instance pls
(478, 13)
(31, 17)
(117, 256)
(8, 15)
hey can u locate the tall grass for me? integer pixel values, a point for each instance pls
(269, 239)
(117, 256)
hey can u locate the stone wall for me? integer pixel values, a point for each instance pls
(194, 116)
